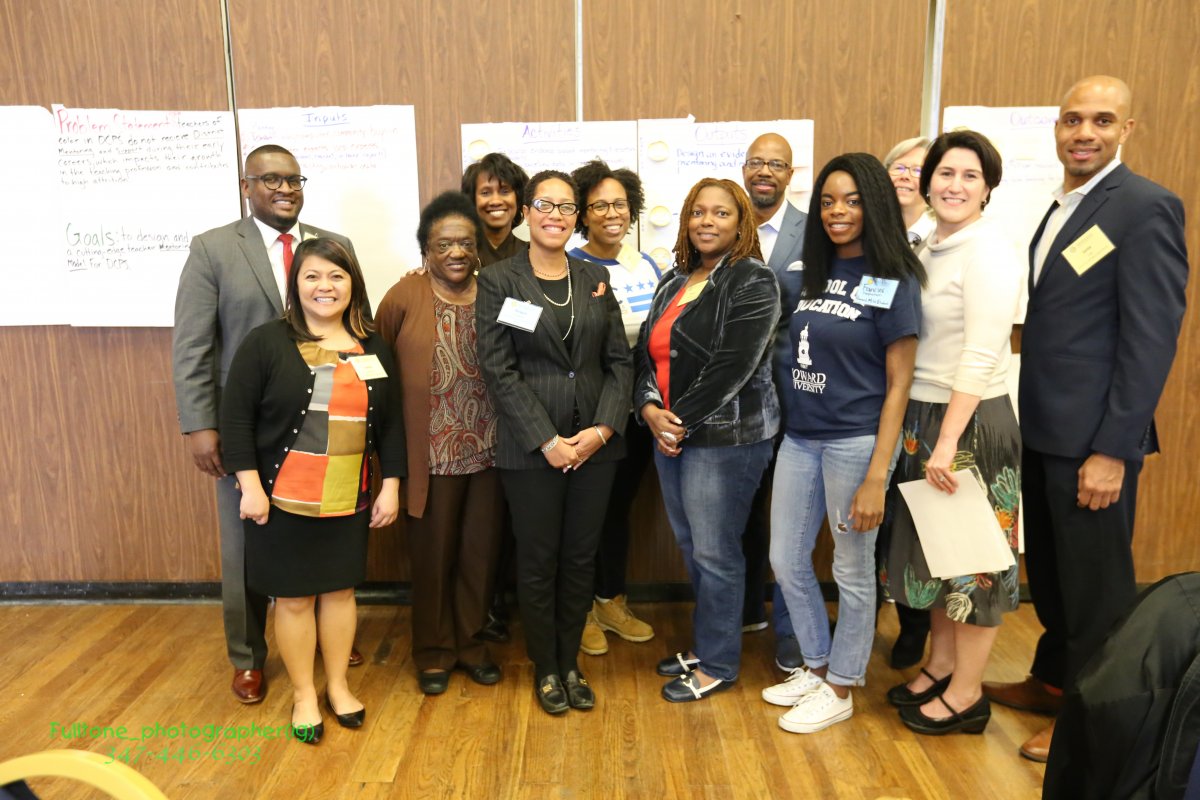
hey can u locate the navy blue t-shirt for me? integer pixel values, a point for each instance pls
(838, 359)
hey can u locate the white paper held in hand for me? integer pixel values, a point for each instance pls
(959, 532)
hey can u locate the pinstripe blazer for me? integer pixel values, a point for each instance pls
(535, 383)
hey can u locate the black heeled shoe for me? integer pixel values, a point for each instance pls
(902, 697)
(352, 720)
(551, 695)
(308, 734)
(973, 720)
(579, 695)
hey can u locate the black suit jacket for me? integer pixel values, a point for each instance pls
(1097, 347)
(535, 383)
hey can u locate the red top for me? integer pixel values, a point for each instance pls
(659, 346)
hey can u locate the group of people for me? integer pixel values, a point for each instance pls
(816, 360)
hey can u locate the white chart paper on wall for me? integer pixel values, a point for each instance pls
(135, 186)
(29, 217)
(564, 146)
(673, 154)
(1025, 138)
(361, 165)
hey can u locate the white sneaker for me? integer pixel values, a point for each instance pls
(816, 711)
(795, 686)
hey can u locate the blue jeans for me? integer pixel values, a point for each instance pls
(813, 477)
(707, 492)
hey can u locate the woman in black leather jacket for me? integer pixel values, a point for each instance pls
(706, 393)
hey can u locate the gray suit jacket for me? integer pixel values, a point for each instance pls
(535, 382)
(789, 248)
(226, 289)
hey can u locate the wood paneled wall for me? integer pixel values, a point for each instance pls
(97, 483)
(1147, 43)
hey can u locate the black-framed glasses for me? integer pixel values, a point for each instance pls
(899, 169)
(602, 206)
(444, 245)
(545, 206)
(775, 165)
(273, 181)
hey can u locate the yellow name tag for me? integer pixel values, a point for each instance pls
(691, 293)
(1089, 248)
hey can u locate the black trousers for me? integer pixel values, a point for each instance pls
(556, 521)
(1079, 563)
(613, 554)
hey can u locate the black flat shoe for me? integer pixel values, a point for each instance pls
(901, 696)
(687, 688)
(973, 720)
(494, 630)
(676, 665)
(352, 720)
(434, 682)
(579, 694)
(308, 734)
(908, 650)
(551, 695)
(483, 674)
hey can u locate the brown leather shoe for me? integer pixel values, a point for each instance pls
(1038, 747)
(249, 686)
(1028, 695)
(356, 658)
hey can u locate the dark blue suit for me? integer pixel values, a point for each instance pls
(1095, 354)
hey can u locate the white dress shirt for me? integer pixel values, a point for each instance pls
(1067, 203)
(768, 232)
(275, 253)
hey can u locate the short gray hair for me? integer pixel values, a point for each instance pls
(922, 142)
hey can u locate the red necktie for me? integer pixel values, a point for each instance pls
(286, 238)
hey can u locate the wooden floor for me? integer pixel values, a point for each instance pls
(147, 665)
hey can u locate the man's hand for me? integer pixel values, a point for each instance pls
(1100, 480)
(206, 452)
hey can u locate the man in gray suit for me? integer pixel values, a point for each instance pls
(234, 281)
(766, 174)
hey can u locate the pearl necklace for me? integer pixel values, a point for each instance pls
(566, 302)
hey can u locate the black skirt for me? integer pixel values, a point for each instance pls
(295, 556)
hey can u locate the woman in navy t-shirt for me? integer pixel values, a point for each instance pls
(854, 336)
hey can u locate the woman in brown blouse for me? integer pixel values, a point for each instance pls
(455, 511)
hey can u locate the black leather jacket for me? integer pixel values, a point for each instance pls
(721, 383)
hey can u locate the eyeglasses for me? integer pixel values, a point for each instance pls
(899, 169)
(545, 206)
(273, 181)
(775, 165)
(602, 206)
(444, 245)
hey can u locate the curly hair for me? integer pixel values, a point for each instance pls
(504, 170)
(884, 237)
(357, 316)
(687, 258)
(592, 174)
(447, 204)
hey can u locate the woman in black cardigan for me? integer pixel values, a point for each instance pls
(308, 399)
(705, 390)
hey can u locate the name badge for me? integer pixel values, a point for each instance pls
(795, 266)
(1089, 248)
(519, 314)
(367, 367)
(692, 293)
(877, 292)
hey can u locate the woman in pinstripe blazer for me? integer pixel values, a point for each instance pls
(552, 350)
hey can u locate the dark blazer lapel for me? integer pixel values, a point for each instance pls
(584, 279)
(788, 234)
(256, 256)
(1091, 204)
(531, 290)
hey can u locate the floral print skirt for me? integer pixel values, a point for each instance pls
(991, 444)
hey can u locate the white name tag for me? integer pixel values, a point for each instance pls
(519, 314)
(877, 292)
(367, 367)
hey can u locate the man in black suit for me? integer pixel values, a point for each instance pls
(1108, 268)
(766, 174)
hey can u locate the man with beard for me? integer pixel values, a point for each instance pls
(766, 174)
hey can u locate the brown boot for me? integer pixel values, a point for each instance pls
(593, 642)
